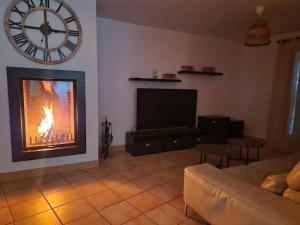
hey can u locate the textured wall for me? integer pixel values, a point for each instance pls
(85, 60)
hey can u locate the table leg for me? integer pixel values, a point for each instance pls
(201, 156)
(241, 153)
(247, 157)
(228, 157)
(204, 157)
(221, 161)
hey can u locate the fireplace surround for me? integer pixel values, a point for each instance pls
(47, 113)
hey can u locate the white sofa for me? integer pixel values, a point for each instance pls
(233, 196)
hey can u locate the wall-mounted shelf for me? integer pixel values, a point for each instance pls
(200, 73)
(152, 79)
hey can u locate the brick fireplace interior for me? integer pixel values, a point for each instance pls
(48, 113)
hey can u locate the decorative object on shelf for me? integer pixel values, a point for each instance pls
(210, 69)
(170, 76)
(153, 79)
(155, 74)
(259, 34)
(187, 68)
(200, 73)
(54, 39)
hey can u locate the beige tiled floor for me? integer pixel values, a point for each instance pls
(145, 190)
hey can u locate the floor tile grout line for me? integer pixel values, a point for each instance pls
(84, 198)
(49, 204)
(80, 198)
(122, 161)
(163, 202)
(6, 201)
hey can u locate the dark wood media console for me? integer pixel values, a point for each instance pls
(163, 140)
(211, 129)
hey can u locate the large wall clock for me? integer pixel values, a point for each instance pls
(44, 31)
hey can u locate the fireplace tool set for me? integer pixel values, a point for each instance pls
(107, 138)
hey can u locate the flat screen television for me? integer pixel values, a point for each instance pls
(165, 108)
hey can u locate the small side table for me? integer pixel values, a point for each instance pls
(248, 144)
(223, 151)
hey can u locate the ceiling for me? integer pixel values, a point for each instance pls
(228, 19)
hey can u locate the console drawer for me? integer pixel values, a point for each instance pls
(141, 145)
(177, 143)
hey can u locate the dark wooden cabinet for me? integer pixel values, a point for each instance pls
(220, 128)
(216, 127)
(141, 143)
(211, 129)
(162, 140)
(236, 128)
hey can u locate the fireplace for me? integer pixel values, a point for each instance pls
(47, 113)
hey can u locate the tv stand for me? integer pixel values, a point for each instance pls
(162, 140)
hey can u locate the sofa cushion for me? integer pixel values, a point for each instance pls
(275, 183)
(274, 166)
(293, 179)
(247, 174)
(292, 195)
(294, 159)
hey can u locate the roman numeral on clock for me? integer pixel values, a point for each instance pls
(20, 39)
(69, 19)
(59, 7)
(73, 33)
(31, 50)
(70, 45)
(45, 3)
(30, 4)
(21, 13)
(47, 56)
(15, 25)
(61, 54)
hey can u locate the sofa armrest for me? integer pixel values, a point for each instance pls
(222, 199)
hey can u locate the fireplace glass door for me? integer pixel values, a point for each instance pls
(48, 113)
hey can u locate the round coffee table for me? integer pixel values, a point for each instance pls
(223, 151)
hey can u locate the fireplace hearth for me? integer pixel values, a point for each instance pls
(47, 113)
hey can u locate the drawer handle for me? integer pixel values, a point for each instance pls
(175, 141)
(148, 145)
(198, 139)
(214, 121)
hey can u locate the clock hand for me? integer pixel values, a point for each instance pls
(46, 34)
(42, 39)
(38, 28)
(31, 27)
(58, 31)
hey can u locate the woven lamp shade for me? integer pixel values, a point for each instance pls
(259, 34)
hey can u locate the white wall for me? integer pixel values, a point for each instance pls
(126, 50)
(85, 60)
(259, 65)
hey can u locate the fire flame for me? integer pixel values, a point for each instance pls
(47, 123)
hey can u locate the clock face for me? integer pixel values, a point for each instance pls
(44, 31)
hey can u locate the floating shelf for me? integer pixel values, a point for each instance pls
(200, 73)
(152, 79)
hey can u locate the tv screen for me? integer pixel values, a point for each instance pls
(164, 108)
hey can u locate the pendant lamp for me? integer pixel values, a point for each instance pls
(259, 33)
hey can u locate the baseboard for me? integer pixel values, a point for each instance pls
(47, 170)
(115, 148)
(118, 148)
